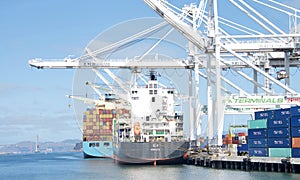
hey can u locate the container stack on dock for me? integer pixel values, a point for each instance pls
(236, 144)
(273, 144)
(295, 131)
(242, 147)
(257, 135)
(279, 136)
(97, 124)
(275, 133)
(231, 143)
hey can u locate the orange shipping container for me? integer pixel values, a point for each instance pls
(230, 135)
(295, 142)
(227, 140)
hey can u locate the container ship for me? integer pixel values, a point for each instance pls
(97, 127)
(153, 134)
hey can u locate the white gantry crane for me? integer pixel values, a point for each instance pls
(214, 43)
(209, 33)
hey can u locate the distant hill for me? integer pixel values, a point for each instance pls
(71, 141)
(26, 147)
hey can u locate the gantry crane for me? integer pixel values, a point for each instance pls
(216, 41)
(213, 49)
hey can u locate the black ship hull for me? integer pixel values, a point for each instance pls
(150, 152)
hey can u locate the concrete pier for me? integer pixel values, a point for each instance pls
(244, 163)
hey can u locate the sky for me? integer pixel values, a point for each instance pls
(33, 102)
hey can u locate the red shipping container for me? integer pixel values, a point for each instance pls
(242, 134)
(235, 141)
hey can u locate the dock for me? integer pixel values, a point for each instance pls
(245, 163)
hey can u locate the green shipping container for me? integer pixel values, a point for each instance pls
(280, 152)
(257, 124)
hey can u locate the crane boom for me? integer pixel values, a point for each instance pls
(98, 103)
(111, 64)
(194, 36)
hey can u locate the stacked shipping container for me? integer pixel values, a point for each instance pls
(257, 136)
(295, 131)
(275, 133)
(279, 135)
(97, 124)
(236, 143)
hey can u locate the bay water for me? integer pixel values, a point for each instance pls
(73, 166)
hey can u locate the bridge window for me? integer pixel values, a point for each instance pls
(170, 92)
(106, 144)
(135, 98)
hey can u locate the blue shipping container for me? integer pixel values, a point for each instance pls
(257, 133)
(296, 152)
(295, 121)
(257, 143)
(281, 122)
(282, 113)
(260, 152)
(295, 131)
(279, 142)
(295, 111)
(242, 147)
(279, 132)
(264, 114)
